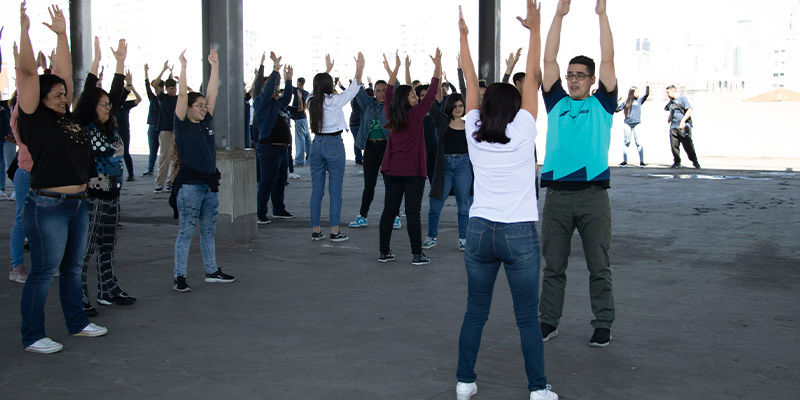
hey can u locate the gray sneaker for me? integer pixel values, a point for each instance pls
(19, 274)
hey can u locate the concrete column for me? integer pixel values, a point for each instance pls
(489, 40)
(222, 30)
(80, 39)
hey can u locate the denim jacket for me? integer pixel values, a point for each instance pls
(370, 109)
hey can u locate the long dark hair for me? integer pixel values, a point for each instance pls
(499, 107)
(450, 104)
(629, 102)
(323, 85)
(397, 117)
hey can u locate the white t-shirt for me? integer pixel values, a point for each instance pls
(505, 184)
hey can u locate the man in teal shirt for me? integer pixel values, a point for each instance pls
(576, 175)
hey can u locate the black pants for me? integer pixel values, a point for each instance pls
(126, 141)
(396, 187)
(678, 137)
(373, 158)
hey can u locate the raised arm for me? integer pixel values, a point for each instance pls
(472, 95)
(551, 70)
(408, 70)
(530, 86)
(183, 92)
(393, 73)
(288, 74)
(213, 81)
(511, 62)
(359, 67)
(28, 84)
(150, 95)
(608, 73)
(156, 82)
(117, 82)
(58, 25)
(129, 87)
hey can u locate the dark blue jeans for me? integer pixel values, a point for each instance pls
(152, 141)
(274, 165)
(517, 247)
(356, 151)
(57, 230)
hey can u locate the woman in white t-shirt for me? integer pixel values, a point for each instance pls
(501, 140)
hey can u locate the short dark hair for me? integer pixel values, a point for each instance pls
(380, 82)
(518, 77)
(499, 107)
(583, 60)
(414, 82)
(301, 81)
(450, 104)
(671, 87)
(482, 83)
(170, 83)
(418, 90)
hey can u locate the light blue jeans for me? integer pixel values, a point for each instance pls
(327, 155)
(197, 205)
(302, 142)
(8, 153)
(22, 184)
(458, 176)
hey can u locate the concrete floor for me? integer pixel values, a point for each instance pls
(706, 269)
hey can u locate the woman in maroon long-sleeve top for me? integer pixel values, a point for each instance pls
(404, 163)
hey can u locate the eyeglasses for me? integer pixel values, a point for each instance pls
(201, 106)
(106, 105)
(579, 76)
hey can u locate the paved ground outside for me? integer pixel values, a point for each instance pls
(706, 268)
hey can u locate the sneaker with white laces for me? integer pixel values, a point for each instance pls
(219, 277)
(3, 195)
(44, 346)
(294, 176)
(18, 274)
(13, 196)
(428, 242)
(158, 189)
(462, 244)
(397, 224)
(317, 236)
(420, 259)
(92, 330)
(338, 237)
(358, 222)
(466, 390)
(179, 285)
(387, 256)
(544, 394)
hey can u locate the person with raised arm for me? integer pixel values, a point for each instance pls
(501, 136)
(165, 174)
(632, 107)
(152, 120)
(124, 121)
(576, 175)
(55, 217)
(195, 196)
(274, 139)
(404, 165)
(95, 110)
(327, 149)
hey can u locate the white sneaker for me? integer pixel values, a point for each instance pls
(544, 394)
(3, 195)
(465, 390)
(294, 176)
(44, 346)
(13, 196)
(92, 330)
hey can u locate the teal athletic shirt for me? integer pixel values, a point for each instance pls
(578, 138)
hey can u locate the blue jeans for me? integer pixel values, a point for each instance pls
(57, 229)
(302, 142)
(517, 247)
(458, 176)
(356, 151)
(274, 163)
(152, 141)
(8, 153)
(22, 184)
(197, 204)
(327, 155)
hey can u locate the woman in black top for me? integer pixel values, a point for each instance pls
(95, 111)
(55, 217)
(453, 169)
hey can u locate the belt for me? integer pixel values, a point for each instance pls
(68, 196)
(376, 140)
(330, 134)
(279, 144)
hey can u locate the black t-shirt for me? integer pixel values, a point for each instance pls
(166, 111)
(454, 141)
(123, 116)
(281, 133)
(196, 144)
(5, 119)
(54, 141)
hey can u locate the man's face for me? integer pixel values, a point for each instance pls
(518, 84)
(380, 92)
(579, 82)
(672, 93)
(172, 90)
(277, 93)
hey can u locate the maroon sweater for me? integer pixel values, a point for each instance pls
(405, 151)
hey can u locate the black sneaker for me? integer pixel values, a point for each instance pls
(89, 309)
(696, 164)
(219, 277)
(387, 256)
(676, 165)
(147, 173)
(169, 188)
(158, 189)
(338, 237)
(317, 236)
(420, 259)
(263, 220)
(642, 165)
(121, 300)
(601, 338)
(548, 331)
(283, 214)
(131, 178)
(180, 285)
(623, 164)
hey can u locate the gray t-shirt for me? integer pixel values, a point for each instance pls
(676, 113)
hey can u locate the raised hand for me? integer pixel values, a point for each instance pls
(24, 21)
(58, 24)
(532, 21)
(360, 61)
(288, 72)
(15, 50)
(213, 58)
(600, 8)
(263, 58)
(408, 61)
(458, 59)
(462, 25)
(437, 57)
(328, 63)
(182, 58)
(386, 64)
(397, 58)
(97, 53)
(122, 50)
(128, 78)
(166, 66)
(276, 61)
(563, 7)
(41, 60)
